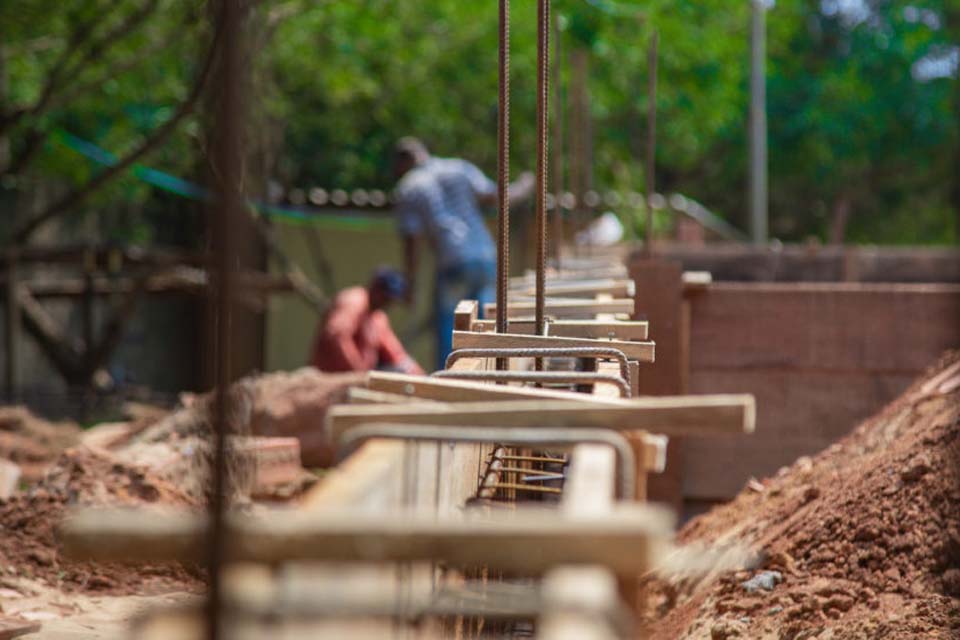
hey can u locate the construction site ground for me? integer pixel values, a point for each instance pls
(859, 541)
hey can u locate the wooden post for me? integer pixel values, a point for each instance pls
(12, 334)
(659, 297)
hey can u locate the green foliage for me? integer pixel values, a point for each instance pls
(336, 83)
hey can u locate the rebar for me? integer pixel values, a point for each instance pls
(525, 487)
(651, 154)
(543, 108)
(543, 459)
(227, 158)
(503, 171)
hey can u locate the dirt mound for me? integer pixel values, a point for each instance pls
(28, 521)
(33, 443)
(280, 404)
(861, 541)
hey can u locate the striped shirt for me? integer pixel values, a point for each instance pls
(439, 199)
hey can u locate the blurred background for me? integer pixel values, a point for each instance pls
(105, 109)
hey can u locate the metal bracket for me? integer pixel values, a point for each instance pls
(610, 353)
(566, 437)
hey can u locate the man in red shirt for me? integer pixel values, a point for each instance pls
(355, 334)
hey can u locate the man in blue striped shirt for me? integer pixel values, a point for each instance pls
(438, 200)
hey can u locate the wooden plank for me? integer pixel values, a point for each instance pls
(525, 541)
(417, 388)
(798, 413)
(588, 328)
(580, 603)
(713, 414)
(620, 288)
(370, 479)
(590, 485)
(570, 308)
(360, 395)
(659, 296)
(840, 327)
(465, 314)
(634, 350)
(696, 281)
(803, 263)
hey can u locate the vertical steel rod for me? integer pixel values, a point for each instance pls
(651, 159)
(543, 113)
(503, 172)
(557, 146)
(225, 210)
(758, 124)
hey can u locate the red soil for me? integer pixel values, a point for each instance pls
(866, 535)
(28, 521)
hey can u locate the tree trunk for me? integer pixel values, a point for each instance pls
(840, 217)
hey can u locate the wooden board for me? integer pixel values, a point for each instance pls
(620, 288)
(571, 308)
(596, 329)
(634, 350)
(819, 358)
(798, 413)
(465, 314)
(524, 541)
(416, 388)
(806, 263)
(713, 414)
(659, 286)
(849, 327)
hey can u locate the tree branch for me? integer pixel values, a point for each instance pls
(23, 232)
(80, 33)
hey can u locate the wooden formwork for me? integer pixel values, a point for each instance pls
(434, 497)
(818, 356)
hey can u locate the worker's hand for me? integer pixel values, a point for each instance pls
(522, 189)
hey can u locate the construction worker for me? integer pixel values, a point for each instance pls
(355, 334)
(439, 200)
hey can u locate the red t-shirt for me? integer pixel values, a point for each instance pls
(352, 337)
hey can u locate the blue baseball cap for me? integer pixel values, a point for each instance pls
(391, 281)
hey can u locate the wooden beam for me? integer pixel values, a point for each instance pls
(670, 415)
(696, 281)
(570, 307)
(361, 395)
(595, 329)
(622, 288)
(580, 603)
(525, 541)
(634, 350)
(420, 388)
(465, 314)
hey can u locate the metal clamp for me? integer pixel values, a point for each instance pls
(566, 437)
(560, 377)
(610, 353)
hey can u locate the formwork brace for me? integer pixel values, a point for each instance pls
(566, 437)
(609, 353)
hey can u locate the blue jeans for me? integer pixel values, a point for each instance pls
(475, 280)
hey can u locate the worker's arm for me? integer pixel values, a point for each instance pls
(341, 324)
(485, 189)
(391, 352)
